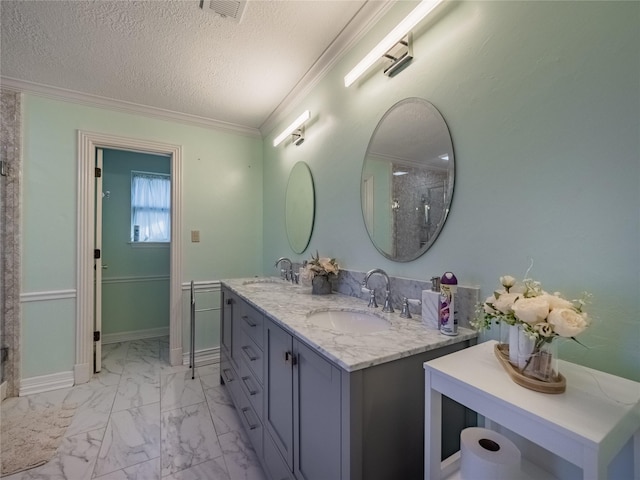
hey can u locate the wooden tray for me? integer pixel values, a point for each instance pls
(558, 385)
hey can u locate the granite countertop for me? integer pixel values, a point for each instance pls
(288, 305)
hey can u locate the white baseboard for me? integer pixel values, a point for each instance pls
(45, 383)
(82, 372)
(206, 356)
(135, 335)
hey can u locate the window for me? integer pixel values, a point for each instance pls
(150, 207)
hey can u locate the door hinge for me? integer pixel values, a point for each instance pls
(98, 172)
(96, 336)
(96, 253)
(3, 168)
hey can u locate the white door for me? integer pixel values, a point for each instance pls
(97, 339)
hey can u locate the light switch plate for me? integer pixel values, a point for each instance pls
(195, 236)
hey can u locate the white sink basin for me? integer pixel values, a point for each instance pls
(347, 321)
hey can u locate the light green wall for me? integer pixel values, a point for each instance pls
(135, 305)
(46, 346)
(542, 101)
(222, 197)
(133, 298)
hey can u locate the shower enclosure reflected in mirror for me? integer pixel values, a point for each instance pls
(299, 207)
(407, 180)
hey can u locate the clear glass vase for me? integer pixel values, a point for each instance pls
(529, 357)
(543, 364)
(503, 333)
(520, 347)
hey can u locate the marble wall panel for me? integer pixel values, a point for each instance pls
(10, 139)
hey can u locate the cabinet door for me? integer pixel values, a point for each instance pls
(317, 437)
(274, 465)
(279, 389)
(228, 300)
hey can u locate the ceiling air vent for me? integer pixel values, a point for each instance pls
(231, 9)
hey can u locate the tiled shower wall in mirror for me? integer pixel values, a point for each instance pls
(10, 128)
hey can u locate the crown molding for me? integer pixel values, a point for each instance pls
(56, 93)
(360, 24)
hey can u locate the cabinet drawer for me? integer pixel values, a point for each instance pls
(245, 409)
(227, 373)
(251, 354)
(274, 464)
(252, 390)
(230, 377)
(253, 426)
(252, 322)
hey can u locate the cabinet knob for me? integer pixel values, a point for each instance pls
(290, 358)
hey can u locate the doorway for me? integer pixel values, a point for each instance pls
(133, 207)
(88, 143)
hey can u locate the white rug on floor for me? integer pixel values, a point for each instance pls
(32, 438)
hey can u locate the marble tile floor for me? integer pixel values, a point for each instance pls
(140, 418)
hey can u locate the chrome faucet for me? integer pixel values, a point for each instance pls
(284, 273)
(387, 308)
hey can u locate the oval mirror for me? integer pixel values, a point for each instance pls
(407, 180)
(299, 207)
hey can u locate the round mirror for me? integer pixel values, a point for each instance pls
(299, 207)
(407, 180)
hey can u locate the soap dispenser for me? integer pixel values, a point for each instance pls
(430, 299)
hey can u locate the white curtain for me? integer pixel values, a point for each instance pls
(151, 206)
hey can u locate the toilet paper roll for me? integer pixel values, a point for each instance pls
(487, 455)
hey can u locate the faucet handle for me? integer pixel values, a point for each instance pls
(387, 308)
(372, 296)
(405, 306)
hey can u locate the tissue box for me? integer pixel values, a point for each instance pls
(430, 315)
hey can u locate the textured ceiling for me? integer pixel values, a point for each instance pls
(173, 55)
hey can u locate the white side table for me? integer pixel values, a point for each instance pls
(582, 425)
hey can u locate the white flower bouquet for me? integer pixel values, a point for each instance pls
(543, 316)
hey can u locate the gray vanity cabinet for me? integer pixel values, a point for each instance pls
(308, 419)
(302, 407)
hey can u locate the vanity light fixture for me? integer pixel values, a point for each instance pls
(296, 129)
(391, 40)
